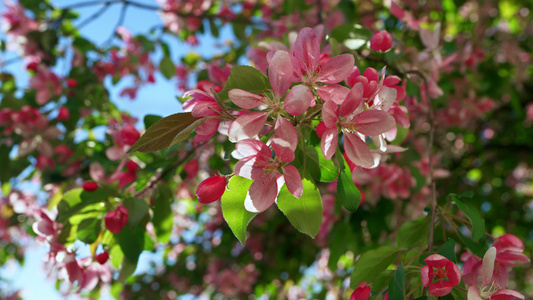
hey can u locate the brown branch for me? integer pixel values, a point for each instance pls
(94, 16)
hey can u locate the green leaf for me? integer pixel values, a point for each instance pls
(166, 132)
(88, 230)
(126, 270)
(353, 36)
(347, 192)
(167, 68)
(163, 217)
(478, 248)
(77, 199)
(131, 241)
(150, 120)
(304, 213)
(448, 250)
(137, 210)
(478, 223)
(397, 285)
(233, 210)
(412, 232)
(372, 263)
(382, 281)
(245, 78)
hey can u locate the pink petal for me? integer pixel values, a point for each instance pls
(245, 99)
(352, 100)
(293, 180)
(473, 293)
(436, 261)
(336, 69)
(285, 140)
(96, 171)
(330, 114)
(425, 275)
(114, 153)
(280, 72)
(208, 127)
(440, 288)
(247, 125)
(262, 193)
(307, 49)
(391, 80)
(333, 92)
(453, 273)
(357, 151)
(373, 122)
(298, 100)
(42, 96)
(506, 295)
(328, 144)
(385, 98)
(488, 265)
(251, 167)
(250, 147)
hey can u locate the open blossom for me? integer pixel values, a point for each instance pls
(440, 274)
(355, 123)
(296, 102)
(315, 69)
(485, 286)
(269, 174)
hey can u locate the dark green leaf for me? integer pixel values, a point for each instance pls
(137, 209)
(347, 192)
(304, 213)
(166, 132)
(473, 214)
(88, 230)
(163, 217)
(131, 241)
(150, 120)
(245, 78)
(372, 263)
(397, 285)
(412, 232)
(126, 270)
(167, 68)
(233, 210)
(448, 250)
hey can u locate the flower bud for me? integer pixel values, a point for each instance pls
(116, 219)
(211, 189)
(381, 41)
(132, 166)
(102, 258)
(72, 83)
(362, 292)
(64, 114)
(90, 186)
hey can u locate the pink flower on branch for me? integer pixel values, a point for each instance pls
(355, 123)
(269, 174)
(440, 274)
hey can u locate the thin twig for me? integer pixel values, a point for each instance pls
(167, 171)
(119, 23)
(94, 16)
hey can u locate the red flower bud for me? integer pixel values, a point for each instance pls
(102, 257)
(116, 219)
(362, 292)
(211, 189)
(132, 166)
(381, 41)
(32, 66)
(64, 114)
(72, 83)
(90, 186)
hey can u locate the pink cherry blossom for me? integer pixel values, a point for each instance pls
(202, 105)
(440, 274)
(116, 219)
(484, 273)
(269, 174)
(355, 123)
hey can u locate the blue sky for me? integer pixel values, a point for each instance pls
(158, 99)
